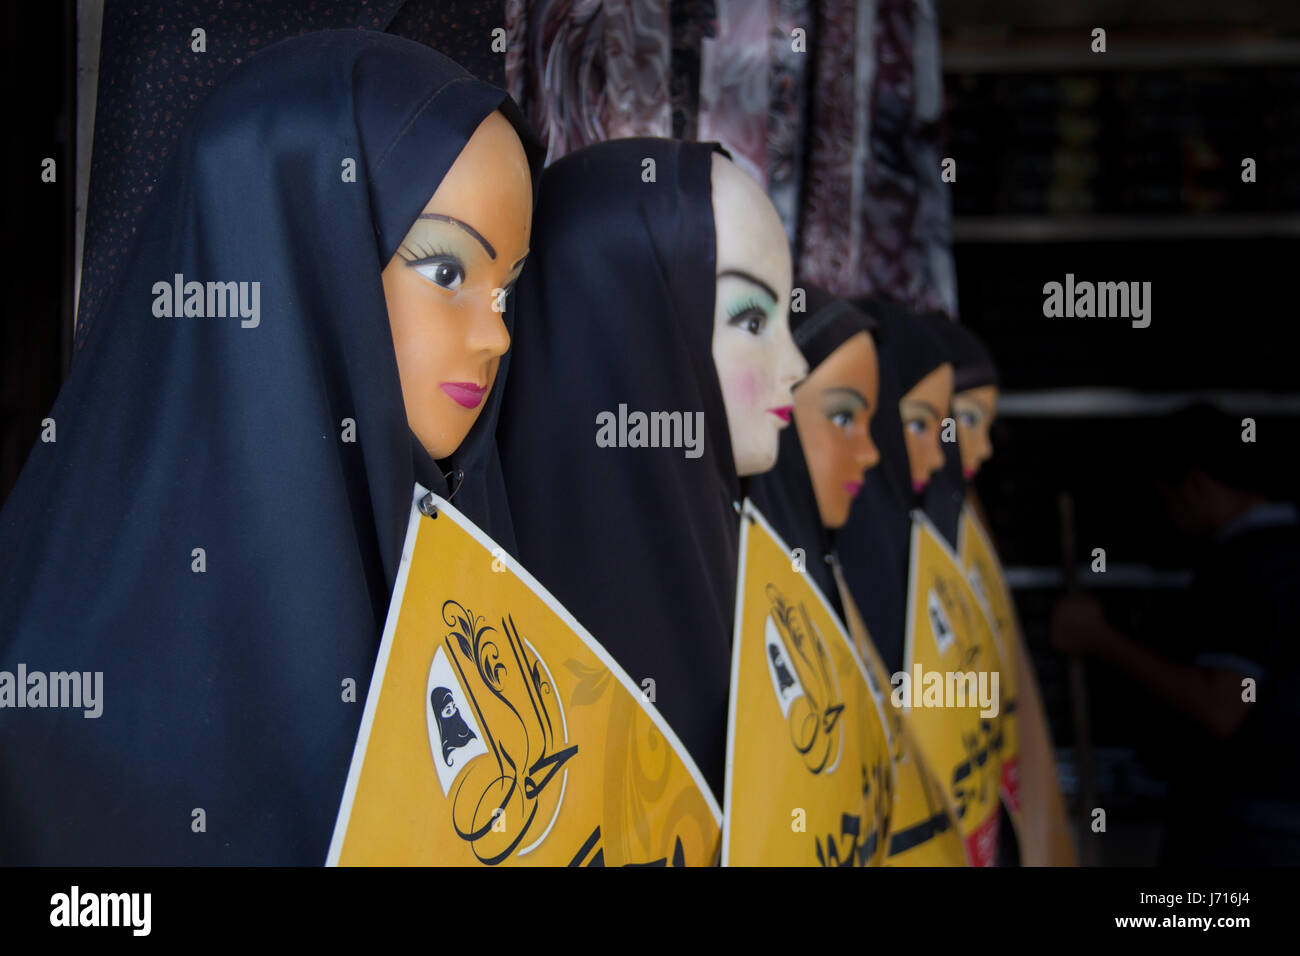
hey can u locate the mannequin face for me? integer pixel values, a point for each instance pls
(470, 240)
(922, 409)
(974, 410)
(832, 410)
(757, 360)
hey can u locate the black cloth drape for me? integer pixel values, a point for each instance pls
(874, 544)
(615, 315)
(785, 494)
(223, 682)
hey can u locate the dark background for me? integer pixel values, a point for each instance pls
(39, 77)
(1123, 166)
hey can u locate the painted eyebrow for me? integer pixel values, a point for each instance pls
(492, 253)
(851, 392)
(926, 405)
(741, 274)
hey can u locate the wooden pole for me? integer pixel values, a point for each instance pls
(1078, 685)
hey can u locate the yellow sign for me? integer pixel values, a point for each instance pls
(1031, 789)
(984, 572)
(809, 774)
(951, 688)
(497, 731)
(922, 830)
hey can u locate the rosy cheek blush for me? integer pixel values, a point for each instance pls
(744, 389)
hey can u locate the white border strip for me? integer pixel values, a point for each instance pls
(968, 517)
(372, 693)
(913, 559)
(727, 786)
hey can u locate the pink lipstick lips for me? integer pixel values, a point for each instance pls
(853, 487)
(466, 394)
(783, 412)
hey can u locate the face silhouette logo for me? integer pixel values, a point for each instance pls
(455, 736)
(497, 733)
(803, 678)
(784, 679)
(940, 626)
(453, 732)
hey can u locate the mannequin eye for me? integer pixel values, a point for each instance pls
(443, 271)
(750, 317)
(916, 426)
(968, 419)
(843, 419)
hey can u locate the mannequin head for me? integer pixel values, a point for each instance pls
(832, 411)
(440, 286)
(756, 358)
(974, 411)
(922, 408)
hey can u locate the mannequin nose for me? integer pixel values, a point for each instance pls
(794, 367)
(868, 455)
(488, 333)
(934, 459)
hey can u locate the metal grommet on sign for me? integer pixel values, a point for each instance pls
(428, 505)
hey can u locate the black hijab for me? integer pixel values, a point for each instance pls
(785, 494)
(972, 368)
(873, 546)
(224, 690)
(616, 308)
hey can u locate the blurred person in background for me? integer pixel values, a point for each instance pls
(1235, 794)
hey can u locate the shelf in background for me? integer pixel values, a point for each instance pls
(1118, 56)
(1126, 403)
(1094, 228)
(1138, 576)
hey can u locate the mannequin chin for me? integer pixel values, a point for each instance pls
(441, 286)
(974, 410)
(923, 408)
(755, 356)
(832, 410)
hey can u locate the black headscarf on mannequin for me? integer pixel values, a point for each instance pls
(616, 307)
(785, 494)
(223, 689)
(873, 545)
(972, 367)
